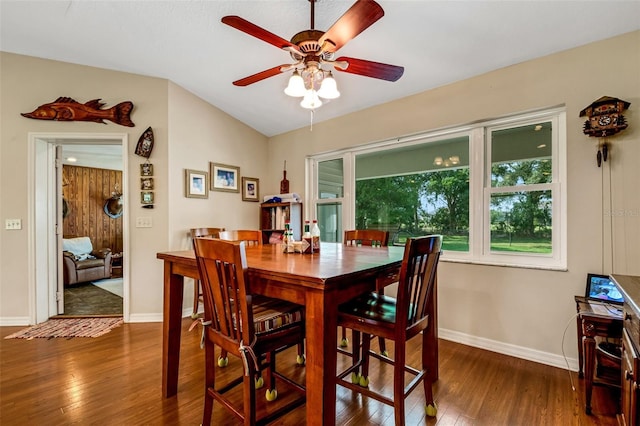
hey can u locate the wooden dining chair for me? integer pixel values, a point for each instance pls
(249, 332)
(366, 237)
(398, 319)
(250, 236)
(197, 285)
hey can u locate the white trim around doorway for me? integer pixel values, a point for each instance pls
(42, 250)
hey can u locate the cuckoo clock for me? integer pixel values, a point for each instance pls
(604, 118)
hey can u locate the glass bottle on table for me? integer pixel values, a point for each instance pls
(315, 237)
(306, 237)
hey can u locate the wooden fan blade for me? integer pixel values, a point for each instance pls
(261, 75)
(371, 69)
(258, 32)
(358, 18)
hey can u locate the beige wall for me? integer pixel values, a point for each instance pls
(183, 125)
(513, 310)
(199, 134)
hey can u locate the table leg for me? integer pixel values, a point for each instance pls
(321, 333)
(171, 330)
(589, 344)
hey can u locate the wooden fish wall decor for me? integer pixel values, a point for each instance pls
(68, 109)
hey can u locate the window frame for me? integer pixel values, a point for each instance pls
(480, 189)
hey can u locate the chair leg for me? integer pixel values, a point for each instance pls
(366, 347)
(249, 396)
(300, 359)
(210, 381)
(383, 347)
(196, 298)
(344, 342)
(398, 382)
(430, 405)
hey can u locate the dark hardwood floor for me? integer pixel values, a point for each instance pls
(116, 380)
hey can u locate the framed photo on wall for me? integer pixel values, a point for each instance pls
(146, 183)
(146, 197)
(196, 184)
(146, 169)
(250, 189)
(224, 177)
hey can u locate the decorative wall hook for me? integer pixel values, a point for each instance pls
(604, 119)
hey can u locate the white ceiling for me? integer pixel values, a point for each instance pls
(438, 42)
(92, 154)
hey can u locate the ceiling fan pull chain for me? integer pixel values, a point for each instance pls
(311, 124)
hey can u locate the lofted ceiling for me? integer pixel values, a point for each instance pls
(438, 42)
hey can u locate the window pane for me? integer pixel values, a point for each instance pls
(330, 222)
(417, 190)
(521, 155)
(521, 222)
(330, 179)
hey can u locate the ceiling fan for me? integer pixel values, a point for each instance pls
(313, 53)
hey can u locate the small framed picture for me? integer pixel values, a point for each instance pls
(146, 197)
(224, 177)
(146, 169)
(146, 184)
(250, 189)
(196, 184)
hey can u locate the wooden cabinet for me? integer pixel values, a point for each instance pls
(273, 217)
(628, 397)
(630, 288)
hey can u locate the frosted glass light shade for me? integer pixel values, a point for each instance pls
(329, 88)
(311, 100)
(295, 88)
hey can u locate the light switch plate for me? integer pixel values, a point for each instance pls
(13, 224)
(144, 222)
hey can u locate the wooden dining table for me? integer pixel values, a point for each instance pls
(319, 281)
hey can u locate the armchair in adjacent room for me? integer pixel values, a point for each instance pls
(81, 263)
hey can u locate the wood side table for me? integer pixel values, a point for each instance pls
(116, 265)
(594, 319)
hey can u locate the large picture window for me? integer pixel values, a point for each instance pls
(493, 189)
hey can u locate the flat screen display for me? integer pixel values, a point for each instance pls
(600, 287)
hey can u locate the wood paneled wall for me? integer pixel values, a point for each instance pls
(86, 189)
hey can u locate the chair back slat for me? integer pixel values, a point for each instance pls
(205, 232)
(366, 237)
(223, 271)
(250, 236)
(417, 279)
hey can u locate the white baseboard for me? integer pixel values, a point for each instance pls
(186, 313)
(145, 317)
(14, 321)
(534, 355)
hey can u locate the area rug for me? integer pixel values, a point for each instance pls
(87, 299)
(68, 328)
(112, 285)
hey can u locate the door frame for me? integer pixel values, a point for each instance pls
(41, 212)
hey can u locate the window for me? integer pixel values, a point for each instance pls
(494, 190)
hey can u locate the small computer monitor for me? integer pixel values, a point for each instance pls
(601, 288)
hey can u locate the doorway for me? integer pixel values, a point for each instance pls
(45, 238)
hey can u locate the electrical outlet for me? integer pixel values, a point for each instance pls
(13, 224)
(143, 222)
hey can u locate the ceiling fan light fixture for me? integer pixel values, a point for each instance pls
(329, 88)
(311, 100)
(295, 88)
